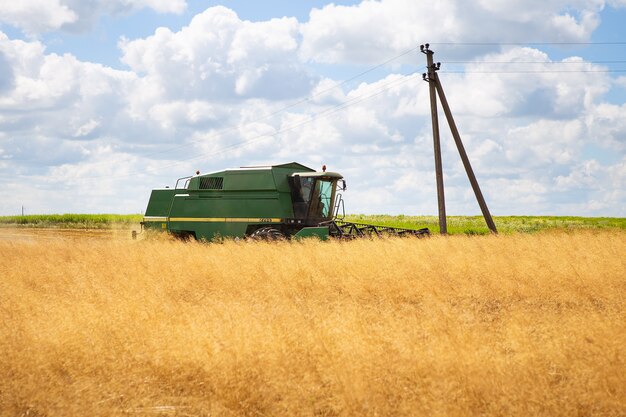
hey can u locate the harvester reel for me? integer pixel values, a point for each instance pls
(267, 233)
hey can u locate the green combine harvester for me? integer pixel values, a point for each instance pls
(261, 202)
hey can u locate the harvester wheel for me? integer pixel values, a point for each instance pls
(267, 233)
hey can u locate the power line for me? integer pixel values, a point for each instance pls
(292, 105)
(265, 117)
(525, 43)
(237, 127)
(533, 62)
(534, 71)
(325, 113)
(322, 114)
(404, 53)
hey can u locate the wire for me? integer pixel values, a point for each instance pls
(537, 71)
(237, 127)
(525, 43)
(325, 113)
(533, 62)
(282, 109)
(406, 52)
(534, 71)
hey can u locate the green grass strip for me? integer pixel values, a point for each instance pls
(470, 225)
(475, 225)
(89, 221)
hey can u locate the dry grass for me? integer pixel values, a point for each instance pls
(511, 325)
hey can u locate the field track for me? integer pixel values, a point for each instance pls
(96, 324)
(56, 234)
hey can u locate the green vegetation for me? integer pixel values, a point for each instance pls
(471, 225)
(73, 221)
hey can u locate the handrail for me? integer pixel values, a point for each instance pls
(339, 203)
(184, 187)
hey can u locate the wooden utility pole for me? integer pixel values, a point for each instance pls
(435, 84)
(441, 199)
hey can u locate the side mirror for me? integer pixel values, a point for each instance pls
(343, 185)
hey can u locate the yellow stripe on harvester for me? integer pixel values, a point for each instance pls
(212, 219)
(225, 219)
(154, 219)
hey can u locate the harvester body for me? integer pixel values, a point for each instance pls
(268, 202)
(279, 200)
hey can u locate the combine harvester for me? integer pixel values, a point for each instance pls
(291, 200)
(263, 202)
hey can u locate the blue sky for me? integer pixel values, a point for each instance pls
(101, 102)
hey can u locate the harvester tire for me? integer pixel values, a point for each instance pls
(267, 233)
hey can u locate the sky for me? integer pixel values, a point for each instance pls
(103, 100)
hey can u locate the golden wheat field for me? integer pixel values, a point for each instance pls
(517, 325)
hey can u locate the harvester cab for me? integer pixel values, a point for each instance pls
(313, 195)
(266, 202)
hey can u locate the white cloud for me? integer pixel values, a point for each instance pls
(219, 56)
(86, 128)
(177, 113)
(545, 142)
(54, 100)
(528, 194)
(571, 28)
(359, 33)
(224, 92)
(39, 16)
(545, 88)
(371, 31)
(607, 126)
(160, 6)
(35, 16)
(603, 187)
(584, 175)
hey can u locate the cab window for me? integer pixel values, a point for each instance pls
(321, 198)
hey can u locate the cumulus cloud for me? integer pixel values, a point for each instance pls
(603, 187)
(607, 126)
(545, 88)
(370, 31)
(223, 92)
(218, 56)
(55, 98)
(521, 131)
(39, 16)
(35, 16)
